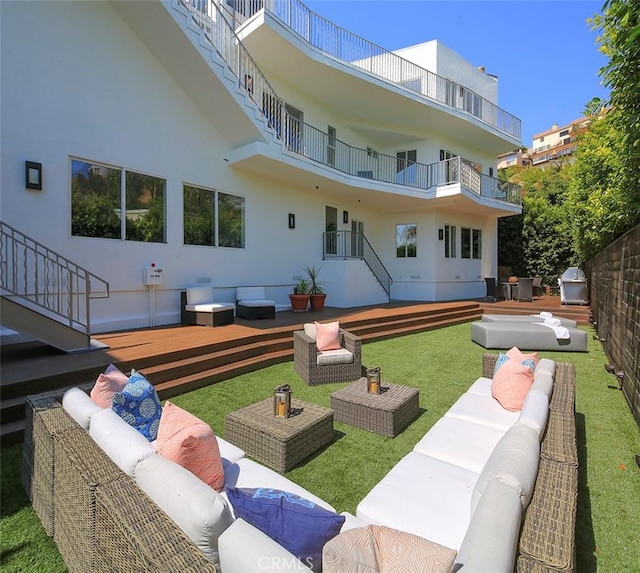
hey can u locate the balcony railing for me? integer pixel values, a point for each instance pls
(314, 144)
(355, 50)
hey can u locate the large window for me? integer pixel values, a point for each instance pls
(471, 243)
(101, 193)
(450, 241)
(213, 218)
(406, 240)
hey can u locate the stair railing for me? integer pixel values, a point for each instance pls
(54, 284)
(353, 245)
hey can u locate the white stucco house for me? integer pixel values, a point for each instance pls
(232, 143)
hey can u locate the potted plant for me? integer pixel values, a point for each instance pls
(300, 296)
(317, 295)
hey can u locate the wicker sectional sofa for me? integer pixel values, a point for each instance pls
(109, 511)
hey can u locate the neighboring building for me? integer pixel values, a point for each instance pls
(240, 156)
(557, 145)
(516, 158)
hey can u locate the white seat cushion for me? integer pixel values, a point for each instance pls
(481, 386)
(460, 442)
(209, 307)
(482, 410)
(423, 496)
(256, 302)
(228, 452)
(339, 356)
(199, 295)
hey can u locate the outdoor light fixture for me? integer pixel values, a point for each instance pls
(345, 216)
(292, 220)
(440, 234)
(374, 380)
(33, 175)
(282, 401)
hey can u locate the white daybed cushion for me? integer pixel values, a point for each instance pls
(121, 442)
(201, 512)
(243, 548)
(199, 295)
(482, 410)
(491, 540)
(247, 473)
(423, 496)
(460, 442)
(535, 412)
(514, 462)
(79, 406)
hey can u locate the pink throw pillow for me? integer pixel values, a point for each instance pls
(188, 441)
(107, 384)
(511, 383)
(518, 355)
(328, 336)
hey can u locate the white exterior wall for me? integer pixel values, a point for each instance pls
(439, 59)
(83, 85)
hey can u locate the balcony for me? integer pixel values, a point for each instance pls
(347, 47)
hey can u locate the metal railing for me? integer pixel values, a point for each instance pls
(353, 245)
(355, 50)
(309, 141)
(41, 277)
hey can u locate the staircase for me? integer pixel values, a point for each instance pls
(181, 359)
(45, 295)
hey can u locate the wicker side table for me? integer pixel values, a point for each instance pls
(386, 413)
(279, 443)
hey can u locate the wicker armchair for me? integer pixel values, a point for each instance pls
(305, 360)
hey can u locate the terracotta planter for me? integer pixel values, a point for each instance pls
(299, 302)
(317, 301)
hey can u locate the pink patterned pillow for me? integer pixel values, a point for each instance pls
(511, 383)
(188, 441)
(107, 384)
(518, 355)
(328, 336)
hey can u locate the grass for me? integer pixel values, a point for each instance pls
(442, 364)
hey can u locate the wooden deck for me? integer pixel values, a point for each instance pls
(180, 358)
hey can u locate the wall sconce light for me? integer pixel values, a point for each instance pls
(292, 220)
(345, 216)
(33, 175)
(440, 234)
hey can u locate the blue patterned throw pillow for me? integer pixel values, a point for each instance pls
(299, 525)
(138, 405)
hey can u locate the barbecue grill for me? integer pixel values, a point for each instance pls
(573, 287)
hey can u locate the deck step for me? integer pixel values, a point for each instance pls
(178, 369)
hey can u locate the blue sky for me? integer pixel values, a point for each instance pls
(543, 51)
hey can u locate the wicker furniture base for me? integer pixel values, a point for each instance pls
(387, 413)
(45, 422)
(255, 312)
(280, 443)
(217, 318)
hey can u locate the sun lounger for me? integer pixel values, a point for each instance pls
(567, 322)
(526, 335)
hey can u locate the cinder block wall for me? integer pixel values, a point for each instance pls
(614, 293)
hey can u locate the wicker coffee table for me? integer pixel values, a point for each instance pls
(280, 443)
(386, 413)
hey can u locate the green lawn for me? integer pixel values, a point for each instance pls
(442, 364)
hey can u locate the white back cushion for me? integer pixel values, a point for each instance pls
(514, 462)
(122, 442)
(79, 406)
(248, 293)
(535, 411)
(200, 511)
(199, 295)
